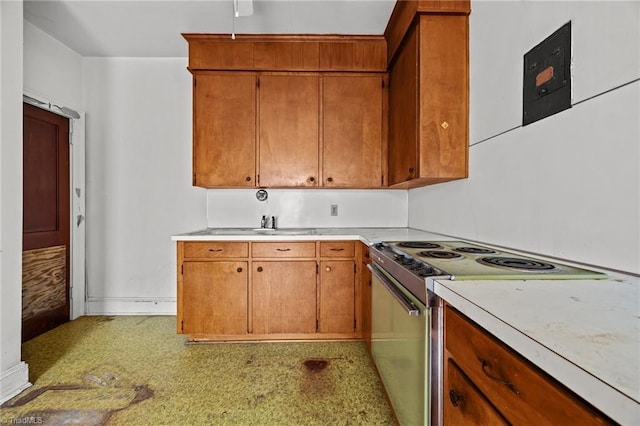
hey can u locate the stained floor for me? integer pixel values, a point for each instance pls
(135, 370)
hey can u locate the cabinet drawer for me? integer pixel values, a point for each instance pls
(284, 249)
(215, 249)
(463, 403)
(521, 392)
(337, 249)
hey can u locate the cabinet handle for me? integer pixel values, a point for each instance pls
(239, 269)
(328, 269)
(248, 178)
(260, 269)
(216, 250)
(455, 397)
(312, 179)
(286, 249)
(329, 179)
(337, 249)
(508, 384)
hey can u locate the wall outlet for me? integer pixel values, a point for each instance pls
(334, 210)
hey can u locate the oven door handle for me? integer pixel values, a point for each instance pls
(406, 303)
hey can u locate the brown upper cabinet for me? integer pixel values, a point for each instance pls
(288, 141)
(429, 93)
(224, 130)
(353, 130)
(335, 111)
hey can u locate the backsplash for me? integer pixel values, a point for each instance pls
(307, 208)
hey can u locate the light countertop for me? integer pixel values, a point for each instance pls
(366, 235)
(584, 333)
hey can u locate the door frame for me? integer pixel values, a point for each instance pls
(77, 246)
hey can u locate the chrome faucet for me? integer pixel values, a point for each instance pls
(264, 222)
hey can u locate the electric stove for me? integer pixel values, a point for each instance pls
(459, 260)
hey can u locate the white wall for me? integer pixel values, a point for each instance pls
(139, 193)
(567, 186)
(13, 372)
(308, 208)
(53, 74)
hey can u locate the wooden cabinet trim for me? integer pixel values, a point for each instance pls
(405, 12)
(215, 249)
(283, 250)
(337, 249)
(262, 52)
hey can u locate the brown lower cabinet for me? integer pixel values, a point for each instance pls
(268, 290)
(284, 297)
(486, 382)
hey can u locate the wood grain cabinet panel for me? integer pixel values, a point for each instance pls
(353, 125)
(429, 102)
(268, 290)
(337, 297)
(365, 295)
(465, 404)
(403, 112)
(337, 249)
(284, 297)
(215, 297)
(215, 249)
(283, 249)
(517, 389)
(224, 130)
(288, 135)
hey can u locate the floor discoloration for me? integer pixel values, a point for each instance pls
(135, 370)
(316, 365)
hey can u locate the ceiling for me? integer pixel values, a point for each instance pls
(152, 28)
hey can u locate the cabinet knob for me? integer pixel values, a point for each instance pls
(455, 397)
(248, 178)
(239, 269)
(312, 179)
(329, 179)
(328, 269)
(259, 268)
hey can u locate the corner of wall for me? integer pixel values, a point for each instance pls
(13, 381)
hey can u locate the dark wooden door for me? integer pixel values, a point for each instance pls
(46, 233)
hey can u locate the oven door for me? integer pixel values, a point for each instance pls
(399, 345)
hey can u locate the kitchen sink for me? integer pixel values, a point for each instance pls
(285, 231)
(255, 231)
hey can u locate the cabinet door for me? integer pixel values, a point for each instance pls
(464, 404)
(403, 108)
(352, 127)
(214, 297)
(284, 297)
(288, 120)
(337, 296)
(224, 131)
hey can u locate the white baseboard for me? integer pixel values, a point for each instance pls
(131, 306)
(13, 381)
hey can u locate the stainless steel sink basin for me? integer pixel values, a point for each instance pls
(255, 231)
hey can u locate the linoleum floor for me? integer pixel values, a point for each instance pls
(135, 370)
